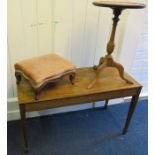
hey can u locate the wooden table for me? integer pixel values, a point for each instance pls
(108, 86)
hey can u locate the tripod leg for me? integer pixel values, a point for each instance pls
(92, 83)
(100, 62)
(120, 69)
(97, 74)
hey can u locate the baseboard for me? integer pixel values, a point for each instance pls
(13, 110)
(143, 96)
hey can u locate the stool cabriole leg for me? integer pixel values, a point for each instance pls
(18, 77)
(72, 78)
(37, 93)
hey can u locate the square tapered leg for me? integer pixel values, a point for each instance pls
(23, 125)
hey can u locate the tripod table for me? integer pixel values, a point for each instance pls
(108, 60)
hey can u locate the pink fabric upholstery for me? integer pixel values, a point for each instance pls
(44, 67)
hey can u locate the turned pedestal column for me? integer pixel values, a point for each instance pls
(107, 60)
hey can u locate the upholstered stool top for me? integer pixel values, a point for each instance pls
(41, 69)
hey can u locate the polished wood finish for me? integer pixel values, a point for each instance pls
(108, 86)
(120, 5)
(109, 81)
(108, 60)
(23, 125)
(38, 90)
(131, 110)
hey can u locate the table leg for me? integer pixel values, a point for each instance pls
(106, 104)
(23, 125)
(133, 104)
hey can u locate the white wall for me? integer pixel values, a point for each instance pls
(140, 65)
(76, 30)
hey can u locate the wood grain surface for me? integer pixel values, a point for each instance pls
(108, 81)
(121, 5)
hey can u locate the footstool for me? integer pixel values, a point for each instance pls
(42, 70)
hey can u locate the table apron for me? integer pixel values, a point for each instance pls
(43, 105)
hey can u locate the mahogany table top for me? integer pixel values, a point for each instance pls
(109, 81)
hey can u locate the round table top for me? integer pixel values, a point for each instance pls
(120, 5)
